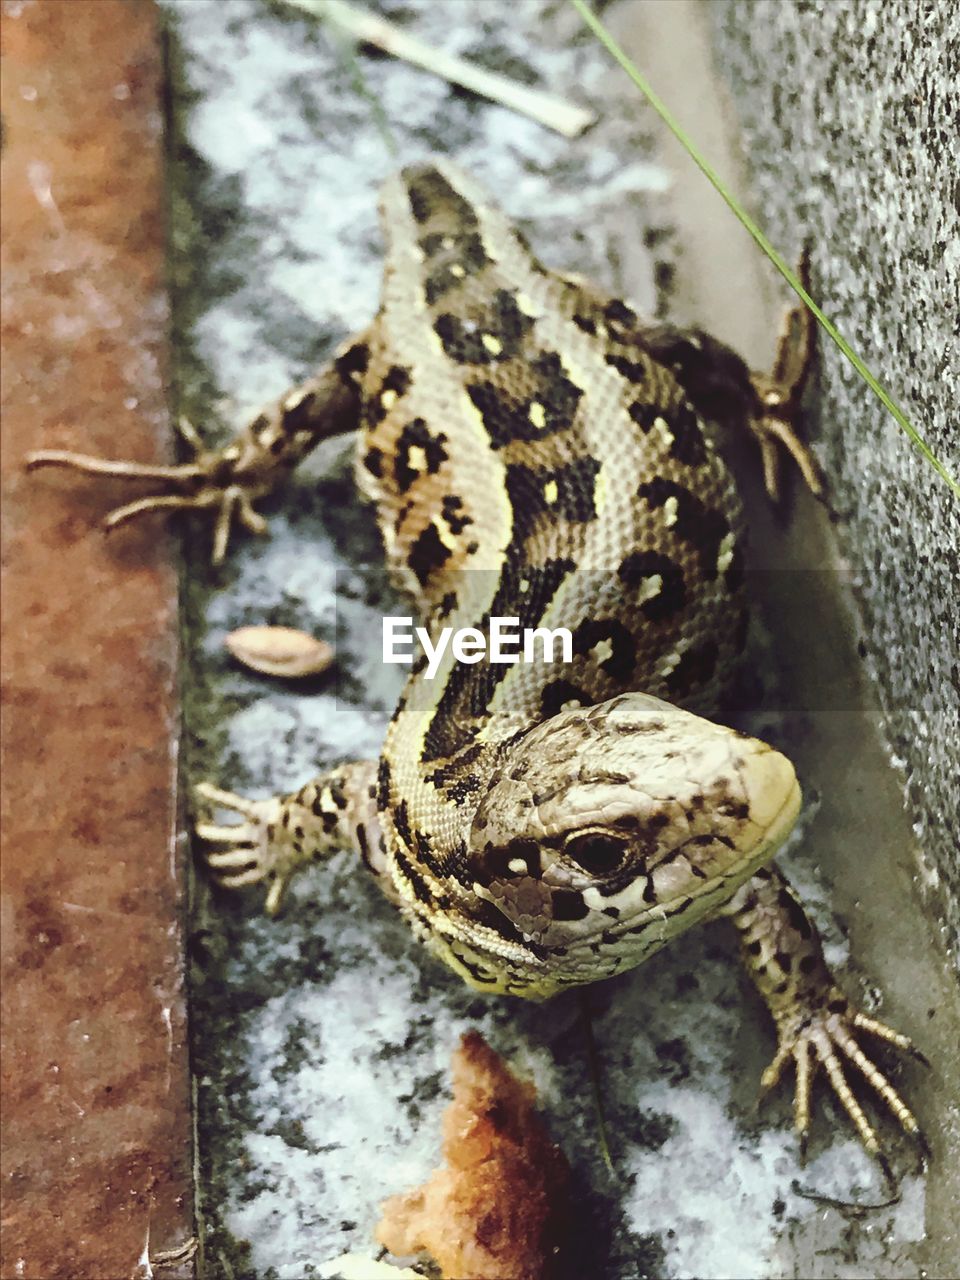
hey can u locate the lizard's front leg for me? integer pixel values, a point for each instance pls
(278, 836)
(816, 1024)
(226, 482)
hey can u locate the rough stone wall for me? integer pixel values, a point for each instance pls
(850, 112)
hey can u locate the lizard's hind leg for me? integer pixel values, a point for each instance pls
(779, 392)
(278, 836)
(721, 386)
(226, 482)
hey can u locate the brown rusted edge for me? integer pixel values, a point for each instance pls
(97, 1154)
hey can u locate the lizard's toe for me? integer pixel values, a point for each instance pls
(825, 1037)
(257, 850)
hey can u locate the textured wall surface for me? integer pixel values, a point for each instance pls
(850, 115)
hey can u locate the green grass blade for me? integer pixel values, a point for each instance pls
(593, 1062)
(345, 47)
(607, 40)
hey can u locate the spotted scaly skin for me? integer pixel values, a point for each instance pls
(536, 451)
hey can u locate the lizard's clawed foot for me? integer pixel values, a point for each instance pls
(260, 848)
(825, 1036)
(774, 432)
(224, 483)
(779, 393)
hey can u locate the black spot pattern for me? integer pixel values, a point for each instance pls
(301, 416)
(401, 821)
(458, 791)
(621, 321)
(464, 247)
(338, 795)
(502, 321)
(374, 411)
(413, 877)
(486, 913)
(383, 784)
(671, 597)
(431, 245)
(694, 670)
(507, 418)
(353, 363)
(704, 527)
(494, 862)
(568, 904)
(448, 773)
(438, 282)
(688, 442)
(644, 414)
(446, 606)
(364, 844)
(574, 486)
(461, 343)
(428, 554)
(617, 312)
(430, 194)
(454, 257)
(457, 863)
(623, 656)
(373, 461)
(637, 371)
(416, 434)
(452, 510)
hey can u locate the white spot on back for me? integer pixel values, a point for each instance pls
(416, 458)
(725, 552)
(662, 427)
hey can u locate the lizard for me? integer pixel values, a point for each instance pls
(534, 449)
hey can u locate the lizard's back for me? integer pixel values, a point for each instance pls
(530, 459)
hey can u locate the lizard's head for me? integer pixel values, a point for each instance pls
(623, 823)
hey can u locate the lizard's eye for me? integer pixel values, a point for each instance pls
(598, 852)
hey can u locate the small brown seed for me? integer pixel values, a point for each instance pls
(280, 651)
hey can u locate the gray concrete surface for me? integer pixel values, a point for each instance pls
(322, 1039)
(850, 114)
